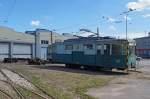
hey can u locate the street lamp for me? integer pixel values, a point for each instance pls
(126, 18)
(126, 26)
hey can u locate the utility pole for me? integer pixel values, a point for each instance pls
(51, 37)
(126, 18)
(126, 26)
(145, 33)
(98, 35)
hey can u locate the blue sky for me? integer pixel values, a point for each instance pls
(71, 15)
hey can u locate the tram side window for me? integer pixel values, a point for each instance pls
(88, 46)
(68, 47)
(107, 49)
(116, 49)
(76, 47)
(99, 48)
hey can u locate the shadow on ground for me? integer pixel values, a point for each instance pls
(90, 71)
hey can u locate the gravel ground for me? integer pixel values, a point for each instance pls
(133, 86)
(8, 89)
(2, 77)
(18, 80)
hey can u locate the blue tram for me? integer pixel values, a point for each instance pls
(104, 52)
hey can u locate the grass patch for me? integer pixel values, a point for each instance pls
(63, 85)
(27, 94)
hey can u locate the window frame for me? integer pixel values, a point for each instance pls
(87, 47)
(67, 47)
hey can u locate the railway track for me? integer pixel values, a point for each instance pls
(42, 95)
(5, 94)
(12, 84)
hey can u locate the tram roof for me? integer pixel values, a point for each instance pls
(95, 40)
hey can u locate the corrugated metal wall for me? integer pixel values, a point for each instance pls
(16, 50)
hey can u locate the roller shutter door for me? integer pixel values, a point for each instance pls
(22, 51)
(4, 50)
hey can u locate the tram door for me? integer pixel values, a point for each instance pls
(99, 56)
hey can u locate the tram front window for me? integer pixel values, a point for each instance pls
(131, 50)
(116, 49)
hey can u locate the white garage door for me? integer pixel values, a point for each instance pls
(22, 51)
(44, 53)
(4, 50)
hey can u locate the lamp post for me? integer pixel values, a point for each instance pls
(126, 18)
(126, 26)
(98, 32)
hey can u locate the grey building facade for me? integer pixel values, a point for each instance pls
(143, 47)
(43, 39)
(31, 44)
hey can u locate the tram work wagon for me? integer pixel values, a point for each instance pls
(101, 52)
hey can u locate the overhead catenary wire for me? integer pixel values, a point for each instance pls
(105, 20)
(81, 25)
(119, 18)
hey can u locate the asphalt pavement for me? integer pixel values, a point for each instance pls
(136, 85)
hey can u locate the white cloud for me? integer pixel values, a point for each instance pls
(84, 34)
(146, 15)
(113, 28)
(132, 35)
(139, 5)
(110, 19)
(35, 23)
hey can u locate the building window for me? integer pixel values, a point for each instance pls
(68, 47)
(44, 42)
(88, 46)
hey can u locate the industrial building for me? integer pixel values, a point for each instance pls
(15, 44)
(30, 44)
(143, 46)
(44, 38)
